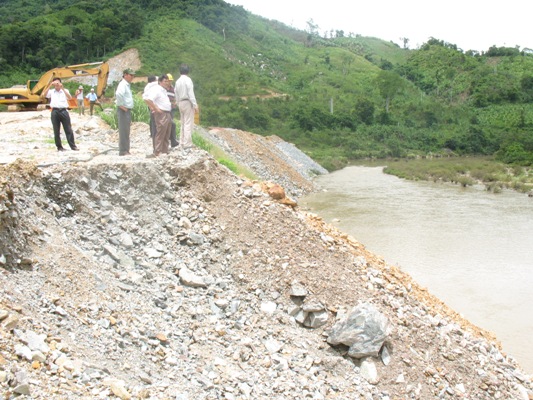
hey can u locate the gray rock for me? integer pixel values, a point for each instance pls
(23, 389)
(298, 290)
(188, 278)
(268, 307)
(369, 371)
(316, 319)
(364, 330)
(36, 342)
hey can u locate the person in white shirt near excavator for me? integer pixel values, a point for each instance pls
(59, 97)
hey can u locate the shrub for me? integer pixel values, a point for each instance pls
(139, 113)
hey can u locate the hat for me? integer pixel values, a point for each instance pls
(170, 77)
(128, 71)
(81, 87)
(92, 89)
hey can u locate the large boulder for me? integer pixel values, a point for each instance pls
(364, 330)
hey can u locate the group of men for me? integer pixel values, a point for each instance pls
(91, 96)
(162, 99)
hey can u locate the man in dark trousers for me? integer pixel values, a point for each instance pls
(172, 97)
(59, 97)
(124, 102)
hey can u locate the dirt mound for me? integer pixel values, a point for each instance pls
(171, 278)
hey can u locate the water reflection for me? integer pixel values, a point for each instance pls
(470, 248)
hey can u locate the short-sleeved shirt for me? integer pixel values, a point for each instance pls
(158, 94)
(58, 99)
(92, 96)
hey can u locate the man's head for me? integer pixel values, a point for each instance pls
(128, 74)
(57, 83)
(80, 87)
(152, 78)
(184, 69)
(164, 81)
(92, 90)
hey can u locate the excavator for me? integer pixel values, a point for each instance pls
(30, 96)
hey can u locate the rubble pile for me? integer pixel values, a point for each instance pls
(172, 278)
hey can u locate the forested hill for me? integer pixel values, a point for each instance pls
(336, 95)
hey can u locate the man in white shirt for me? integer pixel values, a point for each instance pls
(124, 102)
(159, 103)
(79, 98)
(59, 97)
(152, 81)
(187, 105)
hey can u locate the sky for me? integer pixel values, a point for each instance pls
(469, 24)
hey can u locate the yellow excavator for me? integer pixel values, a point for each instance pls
(30, 96)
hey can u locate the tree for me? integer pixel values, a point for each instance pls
(526, 84)
(364, 110)
(389, 84)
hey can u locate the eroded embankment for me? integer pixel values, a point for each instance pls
(171, 278)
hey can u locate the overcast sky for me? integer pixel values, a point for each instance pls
(469, 24)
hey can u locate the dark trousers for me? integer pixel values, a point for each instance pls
(60, 116)
(124, 125)
(152, 124)
(91, 106)
(173, 135)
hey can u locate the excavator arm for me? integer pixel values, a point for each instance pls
(101, 69)
(31, 96)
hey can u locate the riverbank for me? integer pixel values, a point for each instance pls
(464, 171)
(165, 278)
(468, 246)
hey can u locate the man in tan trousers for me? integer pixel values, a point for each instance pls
(187, 105)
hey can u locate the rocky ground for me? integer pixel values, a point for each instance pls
(172, 278)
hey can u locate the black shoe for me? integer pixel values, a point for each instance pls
(75, 149)
(61, 149)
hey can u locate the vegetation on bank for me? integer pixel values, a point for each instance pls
(336, 95)
(465, 171)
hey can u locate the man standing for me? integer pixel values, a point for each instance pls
(159, 103)
(187, 105)
(124, 102)
(93, 98)
(152, 81)
(79, 98)
(59, 97)
(172, 97)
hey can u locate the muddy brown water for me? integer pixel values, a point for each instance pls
(471, 248)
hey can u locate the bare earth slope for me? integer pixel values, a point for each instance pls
(127, 277)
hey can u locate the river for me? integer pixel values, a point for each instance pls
(471, 248)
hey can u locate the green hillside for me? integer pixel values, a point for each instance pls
(338, 98)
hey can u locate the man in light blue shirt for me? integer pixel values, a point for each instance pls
(124, 102)
(93, 99)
